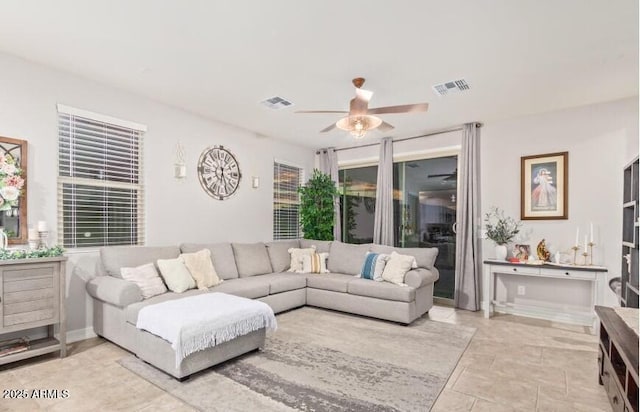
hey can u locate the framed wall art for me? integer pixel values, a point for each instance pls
(544, 186)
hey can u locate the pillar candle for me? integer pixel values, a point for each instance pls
(42, 226)
(33, 234)
(585, 243)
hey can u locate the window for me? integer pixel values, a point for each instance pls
(286, 201)
(100, 189)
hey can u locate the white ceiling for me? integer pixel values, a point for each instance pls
(221, 58)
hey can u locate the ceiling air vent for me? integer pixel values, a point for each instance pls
(276, 103)
(453, 86)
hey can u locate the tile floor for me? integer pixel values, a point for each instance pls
(512, 364)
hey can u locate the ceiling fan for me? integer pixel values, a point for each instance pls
(360, 119)
(447, 176)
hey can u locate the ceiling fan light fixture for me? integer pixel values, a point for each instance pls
(358, 125)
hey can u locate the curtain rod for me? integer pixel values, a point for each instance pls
(442, 131)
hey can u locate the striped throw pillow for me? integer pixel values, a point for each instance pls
(315, 263)
(373, 266)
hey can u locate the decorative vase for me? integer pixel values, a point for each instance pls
(501, 252)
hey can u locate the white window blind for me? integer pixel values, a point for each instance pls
(286, 201)
(100, 189)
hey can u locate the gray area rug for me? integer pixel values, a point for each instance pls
(327, 361)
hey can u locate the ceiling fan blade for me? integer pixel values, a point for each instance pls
(405, 108)
(441, 175)
(385, 127)
(328, 129)
(363, 94)
(320, 111)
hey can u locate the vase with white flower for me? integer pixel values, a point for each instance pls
(11, 182)
(501, 230)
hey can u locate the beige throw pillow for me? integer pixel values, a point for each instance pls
(397, 266)
(201, 268)
(296, 258)
(147, 279)
(176, 275)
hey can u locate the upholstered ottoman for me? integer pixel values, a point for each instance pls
(187, 335)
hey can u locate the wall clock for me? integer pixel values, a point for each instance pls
(219, 172)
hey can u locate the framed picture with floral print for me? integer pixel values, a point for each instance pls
(544, 186)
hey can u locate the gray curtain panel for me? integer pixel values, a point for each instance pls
(328, 161)
(468, 258)
(383, 219)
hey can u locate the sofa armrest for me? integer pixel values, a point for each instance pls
(115, 291)
(416, 278)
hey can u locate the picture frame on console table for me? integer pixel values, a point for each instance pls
(544, 186)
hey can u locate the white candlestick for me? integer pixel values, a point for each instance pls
(585, 243)
(42, 226)
(577, 236)
(591, 226)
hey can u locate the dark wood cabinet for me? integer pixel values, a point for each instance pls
(618, 360)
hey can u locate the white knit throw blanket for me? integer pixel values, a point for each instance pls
(199, 322)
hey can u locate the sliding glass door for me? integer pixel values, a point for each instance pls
(425, 212)
(424, 209)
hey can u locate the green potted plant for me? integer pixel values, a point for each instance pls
(316, 206)
(501, 230)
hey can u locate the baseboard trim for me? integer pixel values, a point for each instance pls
(80, 334)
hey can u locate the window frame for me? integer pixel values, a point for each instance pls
(137, 187)
(301, 180)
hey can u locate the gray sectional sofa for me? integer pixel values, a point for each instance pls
(256, 271)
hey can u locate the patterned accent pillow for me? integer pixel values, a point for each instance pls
(373, 266)
(147, 279)
(397, 266)
(315, 263)
(296, 258)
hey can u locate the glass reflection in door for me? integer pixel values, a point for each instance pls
(425, 195)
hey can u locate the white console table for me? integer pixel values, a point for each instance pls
(595, 275)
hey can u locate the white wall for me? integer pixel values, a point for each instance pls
(176, 211)
(600, 140)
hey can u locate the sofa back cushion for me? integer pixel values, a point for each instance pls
(425, 257)
(279, 255)
(115, 257)
(346, 258)
(322, 246)
(222, 257)
(252, 259)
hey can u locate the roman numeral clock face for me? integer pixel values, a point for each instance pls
(219, 172)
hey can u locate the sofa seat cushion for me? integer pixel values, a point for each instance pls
(250, 288)
(131, 311)
(224, 262)
(329, 281)
(381, 290)
(346, 258)
(252, 259)
(284, 282)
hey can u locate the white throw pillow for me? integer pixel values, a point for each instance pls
(147, 279)
(176, 275)
(201, 268)
(373, 266)
(397, 266)
(296, 258)
(315, 263)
